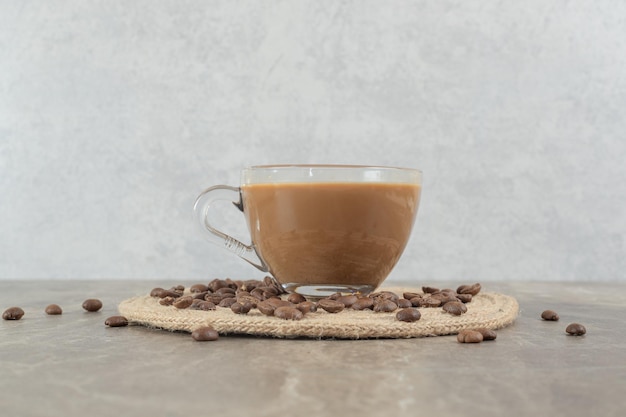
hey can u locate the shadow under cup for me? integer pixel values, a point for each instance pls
(325, 229)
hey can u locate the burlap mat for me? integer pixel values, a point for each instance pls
(488, 310)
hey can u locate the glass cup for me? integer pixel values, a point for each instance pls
(320, 229)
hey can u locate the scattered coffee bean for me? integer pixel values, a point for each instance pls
(408, 314)
(385, 306)
(227, 302)
(13, 313)
(92, 305)
(116, 321)
(430, 290)
(363, 303)
(53, 310)
(428, 301)
(239, 308)
(469, 336)
(348, 300)
(464, 298)
(296, 298)
(197, 288)
(183, 302)
(288, 313)
(202, 305)
(253, 301)
(167, 301)
(404, 303)
(331, 306)
(265, 307)
(409, 295)
(550, 315)
(205, 334)
(307, 307)
(416, 301)
(488, 334)
(575, 329)
(385, 295)
(456, 308)
(469, 289)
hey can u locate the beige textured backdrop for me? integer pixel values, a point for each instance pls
(114, 115)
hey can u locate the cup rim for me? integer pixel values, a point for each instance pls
(325, 173)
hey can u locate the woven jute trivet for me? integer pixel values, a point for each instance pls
(490, 310)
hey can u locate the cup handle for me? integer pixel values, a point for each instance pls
(202, 209)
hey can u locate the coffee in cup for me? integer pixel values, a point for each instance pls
(321, 229)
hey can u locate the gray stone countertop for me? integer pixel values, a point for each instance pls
(73, 365)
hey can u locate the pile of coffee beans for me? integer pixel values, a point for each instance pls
(265, 296)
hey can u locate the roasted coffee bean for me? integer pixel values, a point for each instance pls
(205, 306)
(216, 284)
(178, 288)
(404, 303)
(92, 305)
(116, 321)
(183, 302)
(363, 303)
(331, 306)
(267, 308)
(250, 284)
(385, 295)
(205, 334)
(288, 313)
(469, 336)
(334, 296)
(227, 302)
(215, 298)
(277, 302)
(347, 300)
(455, 308)
(444, 297)
(199, 295)
(408, 314)
(550, 315)
(464, 298)
(416, 301)
(429, 301)
(13, 313)
(307, 307)
(409, 295)
(53, 310)
(268, 291)
(167, 301)
(239, 308)
(271, 282)
(385, 306)
(198, 288)
(488, 334)
(253, 301)
(429, 290)
(258, 293)
(227, 291)
(469, 289)
(296, 298)
(162, 293)
(575, 329)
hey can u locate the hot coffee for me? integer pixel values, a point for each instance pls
(330, 234)
(320, 229)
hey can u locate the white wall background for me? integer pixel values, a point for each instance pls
(115, 114)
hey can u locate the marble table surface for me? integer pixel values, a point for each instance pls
(73, 365)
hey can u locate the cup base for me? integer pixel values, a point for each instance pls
(325, 290)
